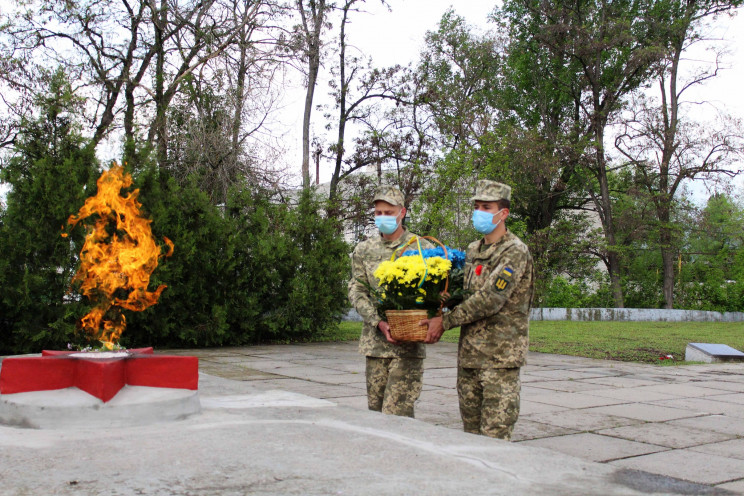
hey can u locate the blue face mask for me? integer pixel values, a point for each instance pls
(483, 221)
(387, 224)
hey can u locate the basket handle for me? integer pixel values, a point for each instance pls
(397, 253)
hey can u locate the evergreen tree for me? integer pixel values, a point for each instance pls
(50, 175)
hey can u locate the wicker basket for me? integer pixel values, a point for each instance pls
(404, 324)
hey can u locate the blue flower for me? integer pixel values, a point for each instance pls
(457, 257)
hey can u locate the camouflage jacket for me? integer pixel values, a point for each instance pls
(494, 318)
(364, 260)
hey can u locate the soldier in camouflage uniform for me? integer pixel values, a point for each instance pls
(494, 318)
(394, 370)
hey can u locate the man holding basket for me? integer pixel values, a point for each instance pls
(394, 370)
(493, 318)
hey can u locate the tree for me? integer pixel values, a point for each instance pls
(662, 142)
(309, 37)
(50, 175)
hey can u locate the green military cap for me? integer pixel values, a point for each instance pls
(486, 190)
(389, 194)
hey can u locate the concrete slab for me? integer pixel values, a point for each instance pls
(689, 465)
(712, 353)
(284, 443)
(72, 408)
(633, 394)
(574, 400)
(733, 448)
(665, 434)
(703, 406)
(685, 390)
(716, 423)
(595, 447)
(737, 398)
(736, 487)
(580, 420)
(643, 412)
(567, 386)
(527, 429)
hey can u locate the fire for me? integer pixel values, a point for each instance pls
(118, 257)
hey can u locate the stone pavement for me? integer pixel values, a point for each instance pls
(685, 422)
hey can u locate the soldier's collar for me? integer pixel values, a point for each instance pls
(507, 236)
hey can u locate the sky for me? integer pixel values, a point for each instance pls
(396, 36)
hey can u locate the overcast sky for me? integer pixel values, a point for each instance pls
(397, 37)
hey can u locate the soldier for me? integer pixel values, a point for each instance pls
(494, 318)
(394, 369)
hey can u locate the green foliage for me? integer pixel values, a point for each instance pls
(50, 175)
(254, 271)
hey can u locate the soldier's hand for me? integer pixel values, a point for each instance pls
(435, 331)
(385, 329)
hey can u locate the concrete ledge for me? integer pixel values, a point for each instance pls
(712, 353)
(274, 443)
(72, 408)
(634, 315)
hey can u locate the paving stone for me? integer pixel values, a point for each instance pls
(580, 420)
(445, 382)
(717, 423)
(686, 390)
(664, 434)
(733, 448)
(634, 394)
(595, 447)
(737, 398)
(567, 386)
(531, 407)
(704, 406)
(732, 386)
(736, 487)
(566, 375)
(527, 429)
(688, 465)
(644, 412)
(621, 381)
(440, 372)
(574, 400)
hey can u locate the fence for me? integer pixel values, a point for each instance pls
(620, 315)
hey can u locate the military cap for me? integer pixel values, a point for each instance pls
(486, 190)
(389, 194)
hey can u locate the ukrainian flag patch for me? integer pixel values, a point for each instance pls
(502, 282)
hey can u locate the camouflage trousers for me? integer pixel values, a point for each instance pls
(394, 384)
(489, 400)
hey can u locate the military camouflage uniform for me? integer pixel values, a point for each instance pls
(394, 371)
(494, 334)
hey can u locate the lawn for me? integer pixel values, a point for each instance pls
(624, 341)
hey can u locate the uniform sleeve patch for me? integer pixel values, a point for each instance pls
(502, 282)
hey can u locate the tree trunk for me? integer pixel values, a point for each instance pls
(312, 28)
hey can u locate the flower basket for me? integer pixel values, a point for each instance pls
(404, 324)
(412, 285)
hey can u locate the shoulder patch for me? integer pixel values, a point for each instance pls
(502, 282)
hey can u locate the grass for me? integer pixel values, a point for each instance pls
(624, 341)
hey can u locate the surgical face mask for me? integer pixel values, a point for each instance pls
(483, 221)
(387, 224)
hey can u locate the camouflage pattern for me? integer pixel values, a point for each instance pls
(486, 190)
(494, 318)
(364, 260)
(389, 194)
(489, 401)
(394, 384)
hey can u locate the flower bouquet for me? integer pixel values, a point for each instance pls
(416, 285)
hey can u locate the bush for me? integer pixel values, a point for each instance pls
(50, 175)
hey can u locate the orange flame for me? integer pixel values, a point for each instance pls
(118, 257)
